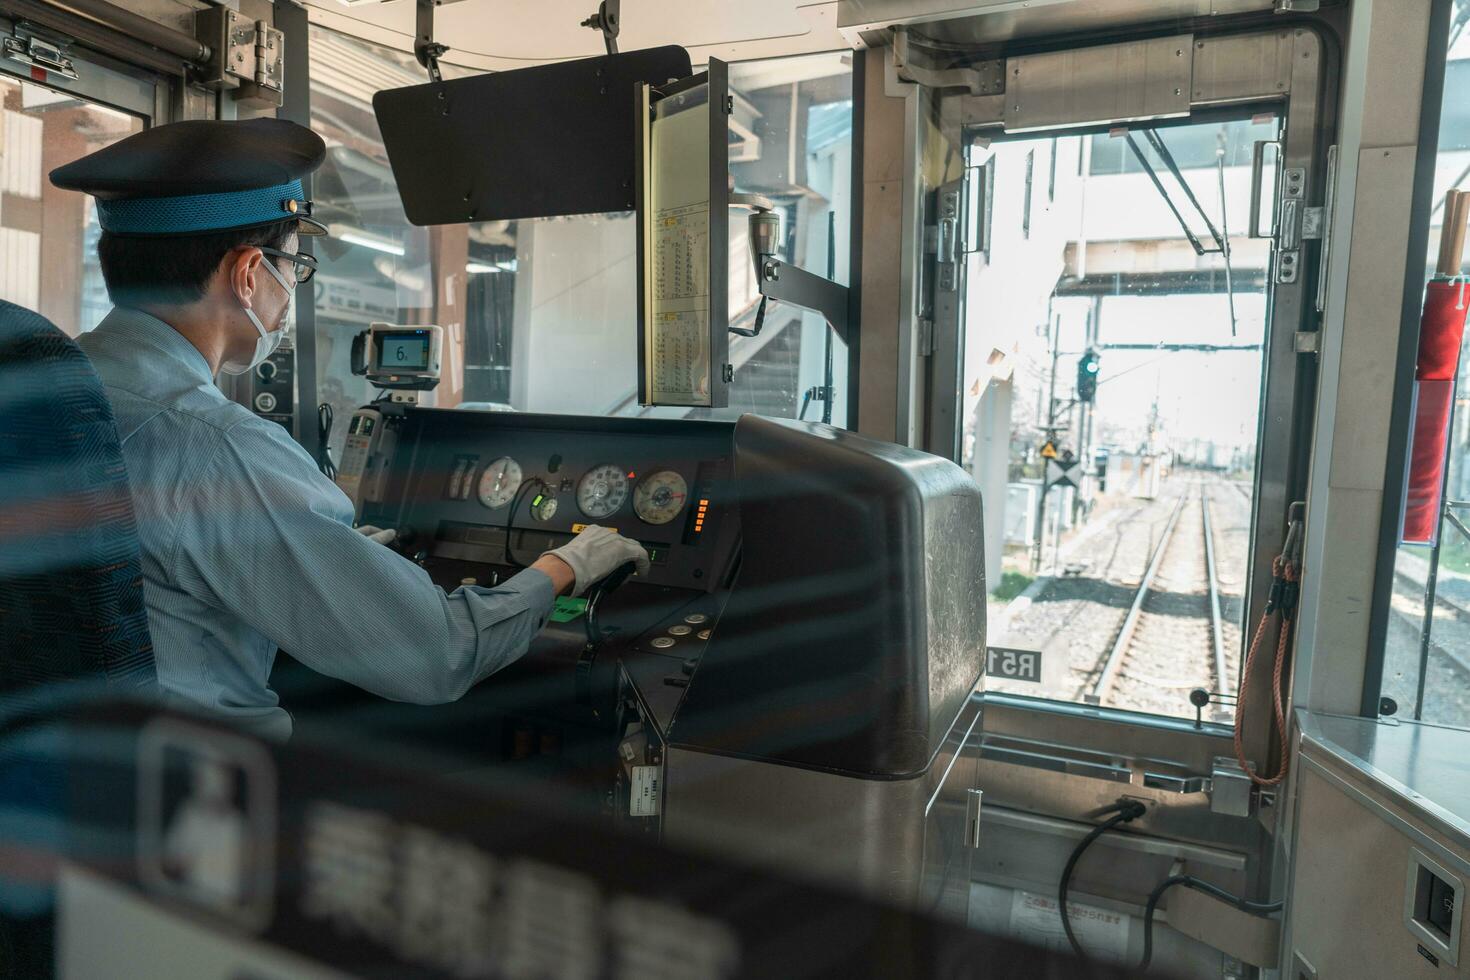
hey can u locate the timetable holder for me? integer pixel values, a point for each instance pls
(682, 203)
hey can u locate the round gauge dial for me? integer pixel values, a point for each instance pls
(543, 506)
(660, 497)
(602, 490)
(499, 482)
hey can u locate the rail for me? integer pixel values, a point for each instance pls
(1217, 640)
(1114, 661)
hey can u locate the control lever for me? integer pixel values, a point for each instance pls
(596, 593)
(588, 657)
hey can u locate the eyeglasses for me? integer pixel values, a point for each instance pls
(303, 264)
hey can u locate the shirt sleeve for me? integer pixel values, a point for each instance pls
(267, 538)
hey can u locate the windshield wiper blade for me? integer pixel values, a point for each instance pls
(1168, 158)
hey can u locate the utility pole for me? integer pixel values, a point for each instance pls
(1054, 338)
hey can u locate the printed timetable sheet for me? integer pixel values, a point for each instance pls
(677, 331)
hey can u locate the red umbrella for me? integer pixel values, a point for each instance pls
(1441, 332)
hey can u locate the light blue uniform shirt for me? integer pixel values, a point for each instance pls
(247, 546)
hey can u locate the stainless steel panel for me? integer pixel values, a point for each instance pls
(897, 840)
(1243, 68)
(1425, 767)
(1135, 80)
(1348, 880)
(1197, 854)
(1025, 851)
(1134, 744)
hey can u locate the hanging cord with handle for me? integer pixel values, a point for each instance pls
(1286, 571)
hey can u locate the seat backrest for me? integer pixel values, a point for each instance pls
(71, 590)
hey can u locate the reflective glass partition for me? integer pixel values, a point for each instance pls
(1426, 668)
(374, 265)
(549, 306)
(44, 227)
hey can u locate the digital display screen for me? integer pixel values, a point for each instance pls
(404, 352)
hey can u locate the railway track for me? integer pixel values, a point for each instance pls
(1451, 628)
(1175, 611)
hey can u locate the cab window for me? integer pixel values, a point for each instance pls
(48, 236)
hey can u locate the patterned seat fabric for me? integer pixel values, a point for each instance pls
(72, 620)
(71, 592)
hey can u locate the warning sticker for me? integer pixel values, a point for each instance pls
(643, 797)
(1048, 450)
(1035, 919)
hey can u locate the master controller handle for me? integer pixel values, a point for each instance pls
(612, 580)
(588, 657)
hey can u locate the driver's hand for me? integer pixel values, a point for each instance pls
(377, 534)
(596, 553)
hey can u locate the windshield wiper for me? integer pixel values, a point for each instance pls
(1221, 240)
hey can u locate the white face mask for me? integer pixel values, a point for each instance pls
(268, 341)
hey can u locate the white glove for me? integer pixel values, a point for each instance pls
(596, 553)
(377, 534)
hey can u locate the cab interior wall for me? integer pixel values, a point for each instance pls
(562, 292)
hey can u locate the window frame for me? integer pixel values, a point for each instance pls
(102, 81)
(1396, 470)
(1307, 110)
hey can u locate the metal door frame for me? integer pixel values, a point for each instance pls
(103, 81)
(1288, 80)
(1287, 67)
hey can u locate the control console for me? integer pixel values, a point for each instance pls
(486, 493)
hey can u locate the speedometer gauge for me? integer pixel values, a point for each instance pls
(499, 482)
(660, 497)
(602, 490)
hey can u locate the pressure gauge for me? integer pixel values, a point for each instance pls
(602, 490)
(543, 506)
(499, 482)
(660, 497)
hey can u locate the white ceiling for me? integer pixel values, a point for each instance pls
(502, 34)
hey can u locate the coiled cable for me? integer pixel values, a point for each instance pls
(323, 444)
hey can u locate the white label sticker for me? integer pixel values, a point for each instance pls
(1035, 919)
(643, 798)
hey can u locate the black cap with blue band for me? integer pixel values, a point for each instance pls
(200, 177)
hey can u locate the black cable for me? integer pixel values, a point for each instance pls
(1189, 881)
(515, 503)
(1124, 811)
(324, 435)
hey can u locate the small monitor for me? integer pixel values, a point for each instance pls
(403, 351)
(403, 356)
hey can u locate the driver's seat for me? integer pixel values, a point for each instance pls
(72, 622)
